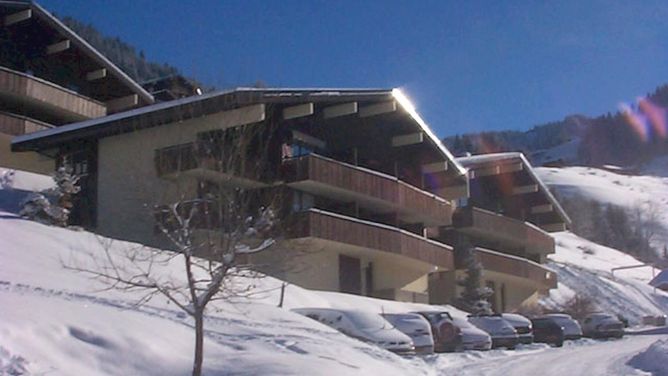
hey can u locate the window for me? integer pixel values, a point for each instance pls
(301, 201)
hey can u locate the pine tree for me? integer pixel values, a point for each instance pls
(473, 298)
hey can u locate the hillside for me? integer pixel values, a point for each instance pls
(57, 321)
(128, 58)
(631, 136)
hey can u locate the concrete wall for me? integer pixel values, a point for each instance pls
(26, 161)
(128, 184)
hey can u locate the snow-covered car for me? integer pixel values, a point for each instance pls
(447, 336)
(602, 325)
(572, 329)
(365, 326)
(502, 332)
(522, 325)
(416, 327)
(472, 337)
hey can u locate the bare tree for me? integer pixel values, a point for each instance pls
(211, 235)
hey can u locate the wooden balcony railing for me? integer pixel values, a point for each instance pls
(42, 95)
(16, 125)
(517, 267)
(496, 227)
(368, 186)
(369, 235)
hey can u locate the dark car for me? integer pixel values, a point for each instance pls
(546, 330)
(447, 336)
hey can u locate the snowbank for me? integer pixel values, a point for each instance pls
(654, 359)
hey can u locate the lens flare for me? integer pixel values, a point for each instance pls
(636, 121)
(656, 116)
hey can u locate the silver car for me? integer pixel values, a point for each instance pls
(416, 327)
(472, 337)
(522, 325)
(503, 334)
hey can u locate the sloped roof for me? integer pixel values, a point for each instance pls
(201, 105)
(661, 280)
(79, 43)
(473, 161)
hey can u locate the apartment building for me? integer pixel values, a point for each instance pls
(507, 217)
(49, 77)
(360, 174)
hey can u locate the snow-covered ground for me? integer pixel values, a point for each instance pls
(645, 192)
(56, 321)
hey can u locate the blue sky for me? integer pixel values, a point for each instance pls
(468, 65)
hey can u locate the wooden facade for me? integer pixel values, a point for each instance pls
(368, 235)
(15, 125)
(516, 234)
(363, 184)
(517, 267)
(40, 96)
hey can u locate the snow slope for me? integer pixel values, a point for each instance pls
(631, 192)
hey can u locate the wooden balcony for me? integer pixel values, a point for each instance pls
(372, 190)
(506, 231)
(357, 234)
(37, 96)
(16, 125)
(517, 267)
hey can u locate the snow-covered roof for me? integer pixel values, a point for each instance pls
(661, 280)
(472, 161)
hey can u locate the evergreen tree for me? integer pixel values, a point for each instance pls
(473, 298)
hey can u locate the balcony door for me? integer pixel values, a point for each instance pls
(350, 275)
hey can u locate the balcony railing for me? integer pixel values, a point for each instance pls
(337, 228)
(328, 177)
(39, 95)
(499, 228)
(16, 125)
(516, 267)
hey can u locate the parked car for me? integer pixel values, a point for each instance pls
(522, 325)
(503, 334)
(365, 326)
(546, 330)
(416, 327)
(447, 336)
(602, 325)
(572, 329)
(472, 337)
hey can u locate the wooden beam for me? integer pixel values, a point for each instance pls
(96, 74)
(340, 110)
(58, 47)
(122, 103)
(495, 170)
(408, 139)
(538, 209)
(435, 167)
(531, 188)
(378, 108)
(554, 227)
(17, 17)
(301, 110)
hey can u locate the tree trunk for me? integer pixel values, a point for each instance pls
(199, 343)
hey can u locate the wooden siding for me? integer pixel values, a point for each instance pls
(517, 267)
(489, 225)
(31, 89)
(341, 229)
(398, 194)
(18, 125)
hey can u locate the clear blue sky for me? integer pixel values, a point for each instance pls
(467, 65)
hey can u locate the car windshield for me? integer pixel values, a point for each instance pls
(365, 320)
